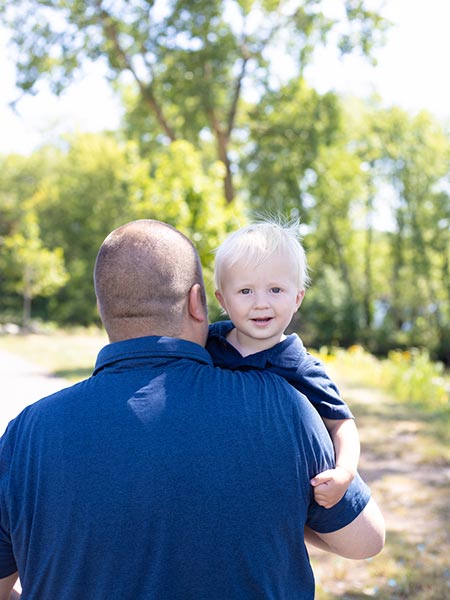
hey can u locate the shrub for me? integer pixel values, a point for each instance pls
(414, 378)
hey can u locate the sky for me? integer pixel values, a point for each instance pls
(412, 72)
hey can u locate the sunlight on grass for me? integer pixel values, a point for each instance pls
(410, 376)
(69, 354)
(402, 407)
(411, 380)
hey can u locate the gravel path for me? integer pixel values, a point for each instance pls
(22, 383)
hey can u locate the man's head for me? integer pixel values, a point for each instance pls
(148, 281)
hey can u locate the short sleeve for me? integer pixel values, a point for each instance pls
(317, 455)
(326, 520)
(307, 374)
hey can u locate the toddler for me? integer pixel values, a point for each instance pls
(261, 276)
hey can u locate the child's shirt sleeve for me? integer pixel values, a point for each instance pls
(307, 374)
(290, 360)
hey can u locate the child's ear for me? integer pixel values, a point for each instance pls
(299, 298)
(220, 298)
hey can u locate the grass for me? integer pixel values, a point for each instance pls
(405, 459)
(69, 354)
(419, 388)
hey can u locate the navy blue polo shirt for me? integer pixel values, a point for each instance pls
(162, 477)
(290, 360)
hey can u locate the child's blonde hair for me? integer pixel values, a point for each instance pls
(257, 242)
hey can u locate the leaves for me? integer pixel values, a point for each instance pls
(64, 203)
(192, 61)
(217, 129)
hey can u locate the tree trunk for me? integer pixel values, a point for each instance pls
(26, 313)
(367, 302)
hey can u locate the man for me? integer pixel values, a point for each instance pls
(162, 477)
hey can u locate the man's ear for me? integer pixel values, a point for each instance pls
(197, 309)
(299, 299)
(99, 309)
(221, 299)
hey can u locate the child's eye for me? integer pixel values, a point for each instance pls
(245, 291)
(275, 290)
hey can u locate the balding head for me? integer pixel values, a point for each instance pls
(145, 275)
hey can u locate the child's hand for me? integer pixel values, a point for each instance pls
(330, 486)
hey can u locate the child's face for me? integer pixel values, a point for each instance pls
(261, 300)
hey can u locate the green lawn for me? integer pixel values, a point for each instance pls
(70, 354)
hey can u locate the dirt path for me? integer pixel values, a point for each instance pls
(412, 486)
(22, 384)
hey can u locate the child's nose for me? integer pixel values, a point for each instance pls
(261, 300)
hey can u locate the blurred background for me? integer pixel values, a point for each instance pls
(208, 114)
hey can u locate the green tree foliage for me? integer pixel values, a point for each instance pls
(41, 270)
(19, 179)
(214, 93)
(81, 192)
(190, 198)
(286, 131)
(376, 205)
(415, 163)
(89, 190)
(381, 282)
(334, 193)
(191, 61)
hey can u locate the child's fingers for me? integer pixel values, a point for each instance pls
(321, 498)
(328, 494)
(322, 478)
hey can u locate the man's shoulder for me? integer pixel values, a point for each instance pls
(264, 380)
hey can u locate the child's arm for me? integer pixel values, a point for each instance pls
(331, 485)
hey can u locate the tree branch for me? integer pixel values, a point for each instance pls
(146, 90)
(237, 91)
(222, 139)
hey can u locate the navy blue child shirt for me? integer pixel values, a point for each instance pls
(290, 360)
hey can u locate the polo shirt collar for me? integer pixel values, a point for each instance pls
(150, 347)
(286, 352)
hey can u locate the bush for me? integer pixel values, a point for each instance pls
(414, 378)
(409, 375)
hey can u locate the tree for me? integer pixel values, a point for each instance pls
(408, 158)
(191, 61)
(181, 192)
(287, 130)
(96, 184)
(41, 269)
(393, 269)
(93, 185)
(335, 193)
(20, 178)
